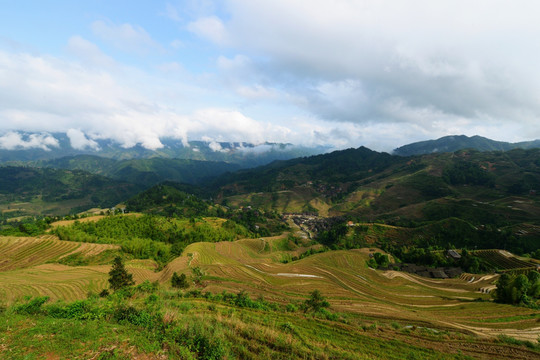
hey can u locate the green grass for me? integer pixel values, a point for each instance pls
(166, 324)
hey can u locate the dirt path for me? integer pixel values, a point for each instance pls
(283, 274)
(391, 274)
(527, 334)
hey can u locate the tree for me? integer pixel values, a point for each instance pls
(316, 301)
(118, 276)
(503, 291)
(179, 281)
(518, 288)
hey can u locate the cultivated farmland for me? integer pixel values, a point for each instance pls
(31, 267)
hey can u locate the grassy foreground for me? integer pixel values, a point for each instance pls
(146, 322)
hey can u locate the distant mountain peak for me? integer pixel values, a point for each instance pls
(453, 143)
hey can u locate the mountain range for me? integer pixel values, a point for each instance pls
(355, 182)
(23, 147)
(458, 142)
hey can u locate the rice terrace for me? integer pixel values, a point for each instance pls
(239, 179)
(447, 316)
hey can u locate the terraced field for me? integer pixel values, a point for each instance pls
(254, 265)
(353, 287)
(503, 260)
(29, 267)
(19, 253)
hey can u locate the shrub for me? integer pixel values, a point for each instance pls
(32, 306)
(204, 341)
(134, 316)
(179, 281)
(198, 273)
(287, 326)
(80, 309)
(147, 287)
(291, 308)
(327, 314)
(518, 288)
(152, 299)
(196, 293)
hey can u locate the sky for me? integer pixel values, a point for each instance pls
(339, 73)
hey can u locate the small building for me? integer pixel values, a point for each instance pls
(438, 274)
(453, 272)
(454, 254)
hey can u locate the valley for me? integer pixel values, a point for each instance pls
(368, 233)
(284, 180)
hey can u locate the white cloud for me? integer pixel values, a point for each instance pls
(16, 141)
(339, 72)
(211, 28)
(420, 62)
(125, 37)
(215, 146)
(256, 92)
(47, 94)
(238, 63)
(79, 140)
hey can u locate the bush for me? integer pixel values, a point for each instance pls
(147, 287)
(179, 281)
(80, 310)
(200, 339)
(137, 317)
(291, 308)
(378, 260)
(32, 306)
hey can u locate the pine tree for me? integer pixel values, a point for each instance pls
(118, 276)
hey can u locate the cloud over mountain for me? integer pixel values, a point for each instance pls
(340, 73)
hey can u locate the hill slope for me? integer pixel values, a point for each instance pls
(495, 189)
(253, 265)
(459, 142)
(35, 190)
(145, 172)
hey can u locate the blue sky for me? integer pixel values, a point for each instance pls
(340, 73)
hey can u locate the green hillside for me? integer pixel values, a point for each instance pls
(145, 172)
(53, 191)
(253, 282)
(375, 185)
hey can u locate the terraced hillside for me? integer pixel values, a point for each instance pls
(503, 260)
(254, 265)
(32, 266)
